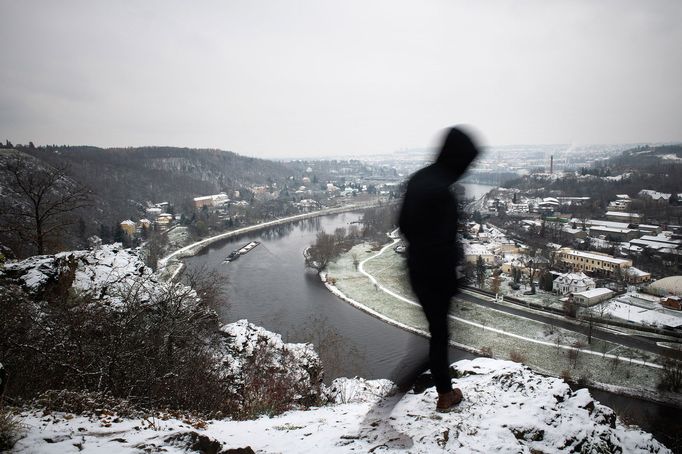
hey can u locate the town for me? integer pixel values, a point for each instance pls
(619, 257)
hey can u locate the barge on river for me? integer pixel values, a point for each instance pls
(234, 255)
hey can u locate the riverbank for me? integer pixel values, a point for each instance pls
(171, 265)
(379, 286)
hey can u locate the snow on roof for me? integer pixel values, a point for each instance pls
(575, 278)
(661, 239)
(128, 222)
(655, 195)
(632, 271)
(476, 249)
(622, 214)
(613, 224)
(603, 228)
(594, 256)
(595, 292)
(656, 245)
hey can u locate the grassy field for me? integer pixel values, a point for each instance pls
(542, 346)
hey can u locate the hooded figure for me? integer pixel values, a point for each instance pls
(428, 220)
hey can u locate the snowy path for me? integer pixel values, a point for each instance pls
(406, 300)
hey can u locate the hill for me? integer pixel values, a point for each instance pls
(655, 168)
(646, 157)
(126, 178)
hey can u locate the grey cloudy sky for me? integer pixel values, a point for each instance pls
(302, 78)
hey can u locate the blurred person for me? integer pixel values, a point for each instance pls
(428, 221)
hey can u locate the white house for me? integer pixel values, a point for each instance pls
(572, 283)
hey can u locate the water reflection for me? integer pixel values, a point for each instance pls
(340, 356)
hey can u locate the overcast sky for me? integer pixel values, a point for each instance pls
(314, 78)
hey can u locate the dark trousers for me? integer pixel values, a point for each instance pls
(434, 296)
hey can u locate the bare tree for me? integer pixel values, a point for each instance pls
(40, 203)
(321, 252)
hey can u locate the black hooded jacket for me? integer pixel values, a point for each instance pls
(428, 218)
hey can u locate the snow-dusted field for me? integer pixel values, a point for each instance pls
(547, 348)
(506, 408)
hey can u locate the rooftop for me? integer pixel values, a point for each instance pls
(595, 256)
(594, 292)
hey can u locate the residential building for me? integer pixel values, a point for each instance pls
(648, 194)
(593, 262)
(622, 203)
(672, 302)
(614, 234)
(591, 297)
(660, 243)
(164, 220)
(620, 216)
(145, 223)
(517, 207)
(211, 200)
(153, 212)
(128, 227)
(572, 283)
(574, 233)
(649, 229)
(636, 276)
(472, 251)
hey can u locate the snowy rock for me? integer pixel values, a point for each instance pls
(506, 408)
(356, 390)
(250, 353)
(104, 272)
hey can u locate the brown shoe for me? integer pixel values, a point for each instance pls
(448, 400)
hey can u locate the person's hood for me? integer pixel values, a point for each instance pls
(457, 153)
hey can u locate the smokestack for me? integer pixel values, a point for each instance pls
(551, 164)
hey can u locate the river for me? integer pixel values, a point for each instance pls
(270, 287)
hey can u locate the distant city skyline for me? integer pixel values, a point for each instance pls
(282, 80)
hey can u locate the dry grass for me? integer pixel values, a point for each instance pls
(517, 356)
(10, 430)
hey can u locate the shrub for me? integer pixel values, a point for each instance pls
(156, 346)
(517, 356)
(565, 375)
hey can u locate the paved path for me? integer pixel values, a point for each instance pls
(609, 335)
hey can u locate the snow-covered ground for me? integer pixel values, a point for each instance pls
(653, 317)
(506, 408)
(547, 348)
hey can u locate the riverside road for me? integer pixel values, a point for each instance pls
(638, 341)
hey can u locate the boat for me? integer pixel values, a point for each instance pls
(234, 255)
